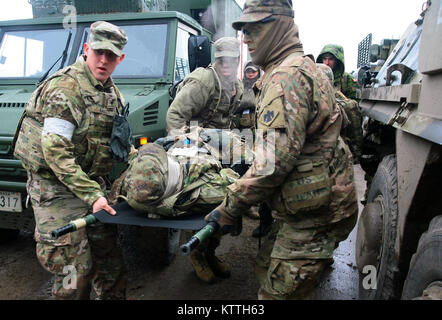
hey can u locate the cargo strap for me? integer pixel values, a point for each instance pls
(170, 201)
(173, 177)
(213, 111)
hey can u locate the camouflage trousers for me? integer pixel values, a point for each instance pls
(89, 257)
(291, 261)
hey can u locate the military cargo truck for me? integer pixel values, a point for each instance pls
(399, 235)
(157, 57)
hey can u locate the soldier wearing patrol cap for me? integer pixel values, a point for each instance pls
(209, 95)
(64, 143)
(309, 185)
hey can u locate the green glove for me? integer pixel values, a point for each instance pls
(121, 136)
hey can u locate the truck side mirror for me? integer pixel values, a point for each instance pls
(199, 52)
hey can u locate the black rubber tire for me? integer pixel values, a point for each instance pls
(426, 263)
(384, 187)
(8, 235)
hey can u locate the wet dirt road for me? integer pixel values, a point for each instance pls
(21, 276)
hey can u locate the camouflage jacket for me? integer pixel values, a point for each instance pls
(200, 99)
(174, 183)
(75, 96)
(344, 82)
(309, 168)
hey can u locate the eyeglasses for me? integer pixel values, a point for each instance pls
(256, 27)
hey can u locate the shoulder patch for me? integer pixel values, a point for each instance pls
(271, 109)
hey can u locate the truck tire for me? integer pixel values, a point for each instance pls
(383, 191)
(7, 235)
(426, 263)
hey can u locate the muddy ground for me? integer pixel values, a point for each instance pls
(21, 276)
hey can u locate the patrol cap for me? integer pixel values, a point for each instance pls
(107, 36)
(251, 68)
(257, 10)
(227, 47)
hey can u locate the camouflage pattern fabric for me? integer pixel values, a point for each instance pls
(292, 260)
(78, 259)
(74, 95)
(343, 81)
(200, 99)
(68, 183)
(311, 184)
(246, 110)
(201, 184)
(351, 129)
(106, 36)
(226, 146)
(310, 135)
(257, 10)
(352, 133)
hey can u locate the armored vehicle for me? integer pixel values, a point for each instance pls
(157, 57)
(399, 235)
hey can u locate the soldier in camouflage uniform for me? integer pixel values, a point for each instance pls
(64, 144)
(310, 186)
(209, 95)
(246, 109)
(351, 130)
(333, 56)
(183, 181)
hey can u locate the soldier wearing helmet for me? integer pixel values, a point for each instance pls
(309, 184)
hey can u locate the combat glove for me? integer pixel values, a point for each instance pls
(121, 135)
(226, 223)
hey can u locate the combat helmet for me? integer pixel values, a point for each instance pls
(146, 177)
(258, 10)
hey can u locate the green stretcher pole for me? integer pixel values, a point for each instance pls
(74, 226)
(199, 237)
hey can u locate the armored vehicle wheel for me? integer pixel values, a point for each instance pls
(377, 233)
(7, 235)
(425, 273)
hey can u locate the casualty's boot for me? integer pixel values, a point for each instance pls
(201, 267)
(219, 268)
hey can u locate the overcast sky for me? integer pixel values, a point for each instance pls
(344, 22)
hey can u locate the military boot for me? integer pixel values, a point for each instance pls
(219, 268)
(201, 267)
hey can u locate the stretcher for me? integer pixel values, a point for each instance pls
(126, 215)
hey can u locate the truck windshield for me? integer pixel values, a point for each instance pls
(145, 52)
(29, 54)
